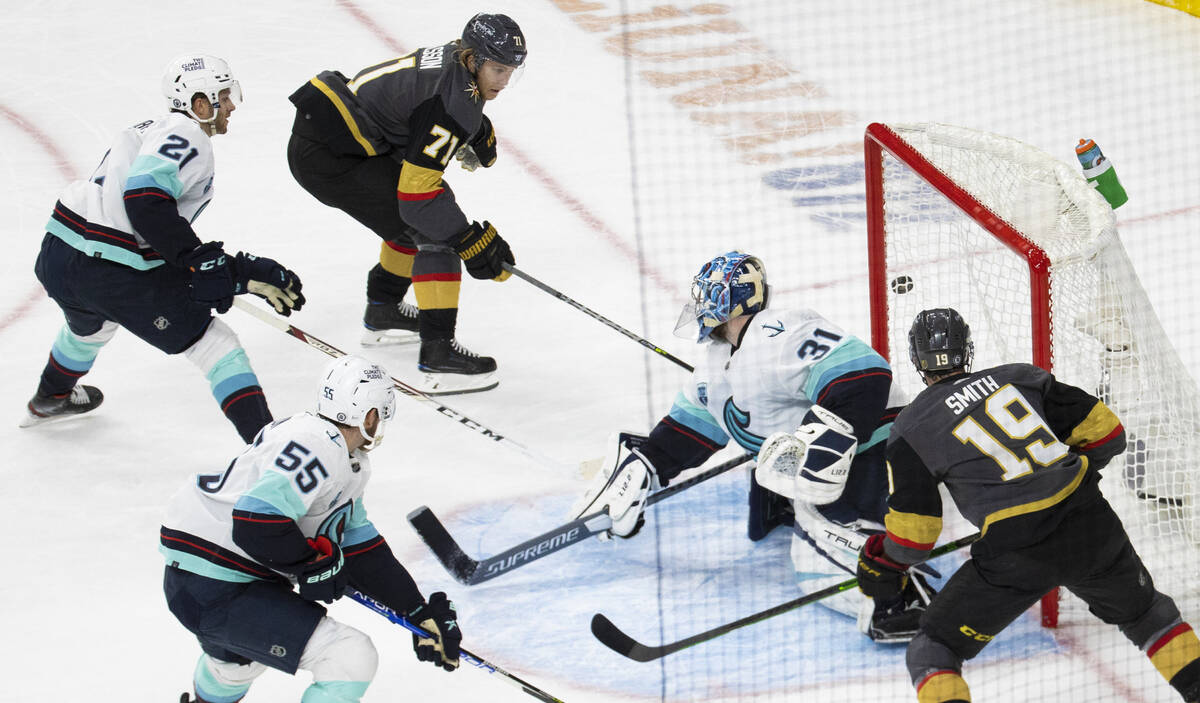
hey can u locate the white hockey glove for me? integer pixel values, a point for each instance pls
(811, 464)
(467, 158)
(622, 485)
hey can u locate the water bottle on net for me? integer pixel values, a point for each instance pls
(1100, 173)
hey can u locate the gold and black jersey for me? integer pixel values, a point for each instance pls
(418, 109)
(1015, 448)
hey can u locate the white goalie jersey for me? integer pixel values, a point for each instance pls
(784, 365)
(297, 469)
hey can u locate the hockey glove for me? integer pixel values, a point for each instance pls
(269, 280)
(483, 252)
(322, 576)
(467, 158)
(879, 577)
(810, 464)
(484, 144)
(212, 277)
(438, 618)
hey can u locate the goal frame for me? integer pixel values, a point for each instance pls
(880, 138)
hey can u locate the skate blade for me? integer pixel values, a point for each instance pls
(456, 383)
(388, 338)
(31, 420)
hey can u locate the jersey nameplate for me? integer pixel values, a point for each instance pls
(431, 57)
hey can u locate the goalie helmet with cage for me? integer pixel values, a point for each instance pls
(730, 285)
(351, 387)
(190, 74)
(940, 341)
(495, 38)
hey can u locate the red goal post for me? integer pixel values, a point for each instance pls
(1028, 251)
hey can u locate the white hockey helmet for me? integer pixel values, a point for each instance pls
(198, 73)
(351, 387)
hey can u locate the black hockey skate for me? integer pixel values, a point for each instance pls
(389, 323)
(899, 622)
(768, 510)
(44, 408)
(450, 368)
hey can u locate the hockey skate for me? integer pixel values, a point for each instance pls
(899, 622)
(389, 323)
(46, 408)
(447, 368)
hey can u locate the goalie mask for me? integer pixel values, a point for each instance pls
(190, 74)
(731, 285)
(939, 341)
(350, 388)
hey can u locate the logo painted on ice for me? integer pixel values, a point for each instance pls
(737, 422)
(162, 323)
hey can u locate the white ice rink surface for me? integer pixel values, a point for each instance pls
(614, 193)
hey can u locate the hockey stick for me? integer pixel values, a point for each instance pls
(597, 316)
(414, 393)
(613, 638)
(469, 571)
(470, 658)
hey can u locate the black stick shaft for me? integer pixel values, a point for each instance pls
(598, 317)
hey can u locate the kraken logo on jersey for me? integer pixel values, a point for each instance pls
(736, 423)
(334, 526)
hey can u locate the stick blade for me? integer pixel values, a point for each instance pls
(612, 637)
(431, 530)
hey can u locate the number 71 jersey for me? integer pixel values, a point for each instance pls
(297, 469)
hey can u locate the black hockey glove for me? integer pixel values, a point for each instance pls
(484, 144)
(438, 618)
(322, 576)
(269, 280)
(212, 278)
(483, 252)
(879, 577)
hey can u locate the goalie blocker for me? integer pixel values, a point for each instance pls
(625, 480)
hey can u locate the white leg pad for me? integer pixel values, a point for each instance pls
(833, 560)
(338, 652)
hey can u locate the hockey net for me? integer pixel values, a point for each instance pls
(1028, 252)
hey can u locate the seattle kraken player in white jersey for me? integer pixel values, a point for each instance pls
(814, 402)
(120, 250)
(290, 509)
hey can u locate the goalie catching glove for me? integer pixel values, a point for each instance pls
(621, 487)
(811, 464)
(439, 618)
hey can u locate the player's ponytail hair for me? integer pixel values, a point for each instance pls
(465, 56)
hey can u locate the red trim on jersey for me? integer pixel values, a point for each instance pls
(850, 378)
(1107, 438)
(1166, 639)
(939, 672)
(222, 557)
(377, 542)
(708, 444)
(924, 546)
(409, 197)
(280, 521)
(89, 230)
(155, 193)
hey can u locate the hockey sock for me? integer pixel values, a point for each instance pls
(437, 276)
(217, 681)
(71, 357)
(390, 279)
(224, 363)
(1176, 655)
(945, 686)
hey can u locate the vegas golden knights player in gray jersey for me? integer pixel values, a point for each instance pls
(1021, 455)
(376, 146)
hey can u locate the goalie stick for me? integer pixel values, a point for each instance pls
(469, 571)
(401, 386)
(613, 638)
(470, 658)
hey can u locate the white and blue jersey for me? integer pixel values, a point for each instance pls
(786, 362)
(168, 157)
(297, 470)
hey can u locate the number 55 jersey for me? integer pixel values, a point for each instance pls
(297, 470)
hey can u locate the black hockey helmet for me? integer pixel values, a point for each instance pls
(495, 37)
(939, 341)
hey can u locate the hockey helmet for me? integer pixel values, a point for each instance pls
(190, 74)
(351, 387)
(496, 38)
(939, 341)
(728, 286)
